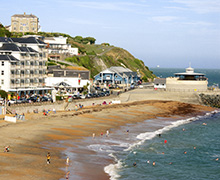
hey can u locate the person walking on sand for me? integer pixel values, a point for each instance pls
(67, 161)
(67, 175)
(93, 135)
(48, 158)
(107, 133)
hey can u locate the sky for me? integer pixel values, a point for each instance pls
(168, 33)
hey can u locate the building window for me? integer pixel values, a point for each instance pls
(2, 81)
(2, 72)
(3, 63)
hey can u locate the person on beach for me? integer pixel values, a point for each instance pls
(76, 107)
(48, 158)
(6, 149)
(67, 175)
(127, 131)
(101, 133)
(67, 161)
(93, 135)
(107, 133)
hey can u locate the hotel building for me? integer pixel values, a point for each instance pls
(24, 23)
(23, 65)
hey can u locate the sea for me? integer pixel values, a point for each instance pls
(213, 75)
(165, 148)
(181, 148)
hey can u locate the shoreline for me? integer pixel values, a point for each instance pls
(32, 139)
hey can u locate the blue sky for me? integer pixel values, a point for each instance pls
(169, 33)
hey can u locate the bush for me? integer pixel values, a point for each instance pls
(3, 94)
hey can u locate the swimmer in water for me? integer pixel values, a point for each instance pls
(185, 152)
(148, 161)
(204, 124)
(154, 163)
(183, 129)
(134, 164)
(194, 147)
(159, 135)
(170, 163)
(217, 159)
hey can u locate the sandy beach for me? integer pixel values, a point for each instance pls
(30, 140)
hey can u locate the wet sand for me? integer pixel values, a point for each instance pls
(31, 140)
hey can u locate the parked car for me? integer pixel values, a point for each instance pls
(95, 95)
(82, 96)
(32, 99)
(23, 100)
(44, 98)
(89, 95)
(76, 96)
(12, 101)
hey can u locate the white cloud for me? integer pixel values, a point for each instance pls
(201, 6)
(113, 6)
(199, 23)
(164, 18)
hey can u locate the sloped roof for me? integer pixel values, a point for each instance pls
(160, 81)
(120, 69)
(24, 15)
(8, 57)
(28, 40)
(14, 47)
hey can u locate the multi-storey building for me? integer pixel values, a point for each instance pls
(24, 23)
(23, 65)
(57, 46)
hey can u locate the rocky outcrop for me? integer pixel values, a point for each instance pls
(210, 100)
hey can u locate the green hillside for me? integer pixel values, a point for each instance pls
(92, 56)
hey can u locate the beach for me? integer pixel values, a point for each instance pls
(32, 139)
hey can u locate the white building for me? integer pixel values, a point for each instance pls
(23, 65)
(58, 45)
(187, 81)
(160, 83)
(67, 80)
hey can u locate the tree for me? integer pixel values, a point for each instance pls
(145, 79)
(91, 40)
(3, 94)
